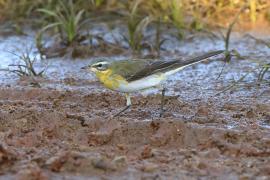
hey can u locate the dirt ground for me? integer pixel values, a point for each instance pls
(64, 129)
(50, 134)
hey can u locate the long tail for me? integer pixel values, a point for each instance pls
(170, 67)
(200, 58)
(179, 65)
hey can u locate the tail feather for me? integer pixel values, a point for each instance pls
(199, 58)
(169, 67)
(179, 65)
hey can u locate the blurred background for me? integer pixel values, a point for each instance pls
(79, 25)
(35, 30)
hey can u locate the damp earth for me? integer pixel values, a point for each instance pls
(60, 126)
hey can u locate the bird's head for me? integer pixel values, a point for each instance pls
(100, 66)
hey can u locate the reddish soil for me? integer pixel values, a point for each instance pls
(63, 128)
(56, 134)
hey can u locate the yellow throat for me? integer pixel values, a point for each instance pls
(110, 80)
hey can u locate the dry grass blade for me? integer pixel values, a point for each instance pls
(25, 66)
(232, 85)
(260, 41)
(265, 68)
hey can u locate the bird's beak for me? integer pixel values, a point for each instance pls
(85, 67)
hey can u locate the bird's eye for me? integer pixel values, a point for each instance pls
(100, 66)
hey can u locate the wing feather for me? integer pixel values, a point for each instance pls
(140, 68)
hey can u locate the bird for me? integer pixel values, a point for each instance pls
(134, 75)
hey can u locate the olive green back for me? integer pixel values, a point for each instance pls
(133, 70)
(128, 68)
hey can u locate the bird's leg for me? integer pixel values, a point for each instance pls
(162, 102)
(127, 106)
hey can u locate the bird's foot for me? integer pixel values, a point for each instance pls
(120, 112)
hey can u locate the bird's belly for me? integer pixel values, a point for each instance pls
(142, 84)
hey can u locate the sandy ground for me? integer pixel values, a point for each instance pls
(64, 129)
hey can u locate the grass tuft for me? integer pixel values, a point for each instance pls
(67, 21)
(25, 66)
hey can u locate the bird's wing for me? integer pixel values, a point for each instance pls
(152, 68)
(165, 66)
(128, 68)
(133, 70)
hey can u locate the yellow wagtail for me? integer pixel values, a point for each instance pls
(129, 76)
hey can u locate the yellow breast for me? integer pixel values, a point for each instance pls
(110, 80)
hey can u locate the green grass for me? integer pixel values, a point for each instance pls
(66, 18)
(67, 21)
(227, 37)
(176, 10)
(177, 16)
(136, 25)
